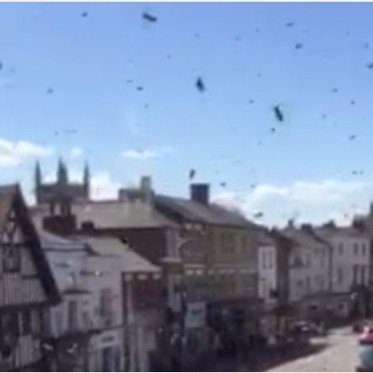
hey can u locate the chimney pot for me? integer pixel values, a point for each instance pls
(200, 193)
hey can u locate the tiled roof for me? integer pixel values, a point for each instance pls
(199, 212)
(51, 241)
(302, 238)
(131, 261)
(366, 223)
(328, 233)
(118, 214)
(10, 194)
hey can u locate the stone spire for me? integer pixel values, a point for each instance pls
(62, 177)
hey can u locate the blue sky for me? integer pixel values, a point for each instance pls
(243, 52)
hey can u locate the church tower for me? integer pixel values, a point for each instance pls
(62, 193)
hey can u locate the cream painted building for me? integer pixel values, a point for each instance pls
(308, 264)
(350, 256)
(267, 269)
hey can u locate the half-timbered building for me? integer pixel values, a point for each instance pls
(27, 286)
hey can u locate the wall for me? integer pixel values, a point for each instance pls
(309, 271)
(108, 280)
(345, 257)
(84, 277)
(150, 243)
(232, 262)
(267, 271)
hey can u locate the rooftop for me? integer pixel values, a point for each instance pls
(109, 246)
(121, 214)
(302, 237)
(203, 213)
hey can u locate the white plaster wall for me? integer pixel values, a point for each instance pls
(344, 258)
(267, 271)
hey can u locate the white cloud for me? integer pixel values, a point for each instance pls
(12, 153)
(103, 186)
(76, 152)
(146, 153)
(314, 201)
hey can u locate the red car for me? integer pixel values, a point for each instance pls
(366, 350)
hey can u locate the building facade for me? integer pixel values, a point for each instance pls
(219, 269)
(309, 269)
(86, 330)
(104, 227)
(350, 268)
(267, 269)
(27, 286)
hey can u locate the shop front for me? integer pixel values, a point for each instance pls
(195, 339)
(105, 351)
(235, 322)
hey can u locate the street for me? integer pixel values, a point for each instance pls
(339, 354)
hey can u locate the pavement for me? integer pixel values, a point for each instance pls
(337, 353)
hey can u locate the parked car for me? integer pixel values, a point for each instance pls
(365, 363)
(309, 328)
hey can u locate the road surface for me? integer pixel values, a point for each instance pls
(339, 355)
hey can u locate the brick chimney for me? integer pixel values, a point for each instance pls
(200, 193)
(62, 225)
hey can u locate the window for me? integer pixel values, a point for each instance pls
(107, 359)
(340, 275)
(362, 279)
(11, 257)
(9, 327)
(270, 258)
(86, 320)
(264, 289)
(36, 322)
(307, 259)
(356, 249)
(25, 322)
(355, 274)
(363, 249)
(106, 309)
(188, 226)
(264, 259)
(72, 315)
(340, 249)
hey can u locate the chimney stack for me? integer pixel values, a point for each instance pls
(200, 193)
(62, 225)
(307, 228)
(146, 188)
